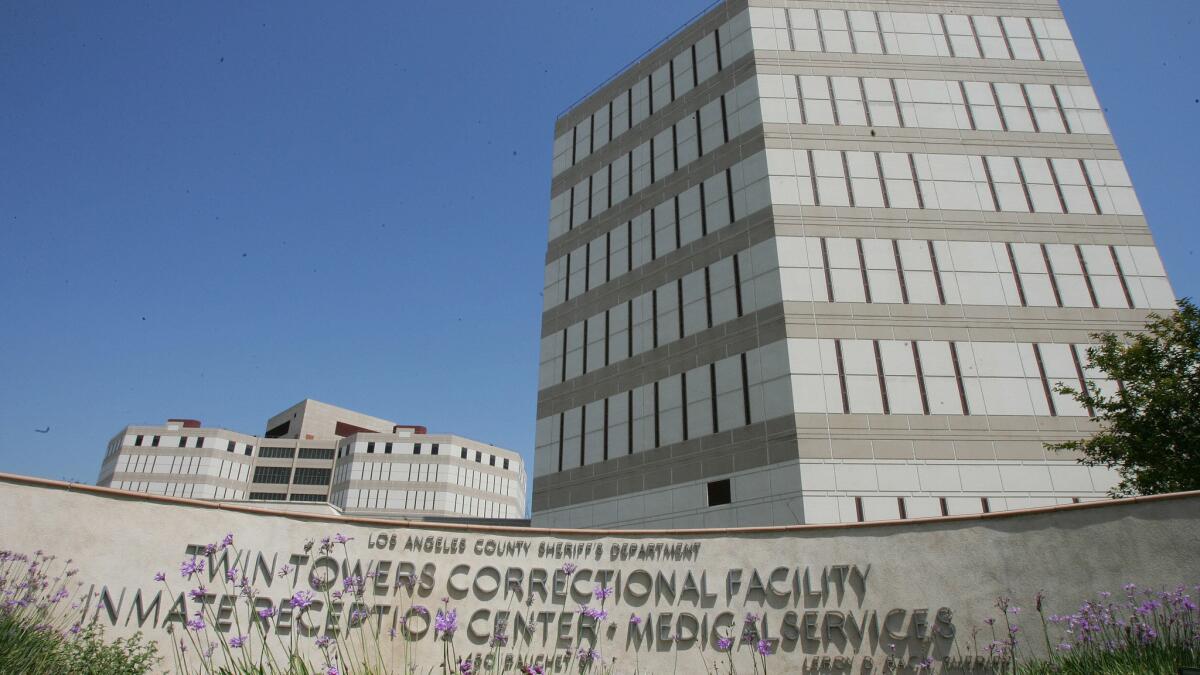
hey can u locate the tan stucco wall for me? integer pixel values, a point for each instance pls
(906, 572)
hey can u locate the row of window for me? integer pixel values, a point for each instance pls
(141, 440)
(691, 67)
(836, 269)
(735, 391)
(831, 376)
(723, 291)
(841, 31)
(674, 223)
(185, 465)
(895, 180)
(930, 104)
(673, 148)
(423, 500)
(434, 449)
(189, 490)
(420, 472)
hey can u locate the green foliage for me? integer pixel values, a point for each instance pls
(41, 650)
(88, 654)
(1151, 424)
(1155, 660)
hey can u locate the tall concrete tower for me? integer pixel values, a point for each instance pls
(824, 262)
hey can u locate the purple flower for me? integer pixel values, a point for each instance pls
(724, 643)
(227, 541)
(597, 613)
(160, 576)
(990, 621)
(75, 629)
(284, 571)
(358, 615)
(568, 568)
(751, 617)
(332, 670)
(197, 623)
(210, 549)
(392, 633)
(420, 609)
(191, 567)
(266, 613)
(198, 593)
(533, 669)
(635, 620)
(301, 600)
(764, 647)
(231, 575)
(445, 622)
(587, 655)
(324, 641)
(340, 538)
(237, 642)
(465, 667)
(602, 592)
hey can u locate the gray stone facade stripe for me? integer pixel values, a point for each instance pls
(652, 61)
(784, 440)
(939, 141)
(843, 221)
(960, 323)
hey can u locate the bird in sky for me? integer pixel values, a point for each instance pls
(43, 431)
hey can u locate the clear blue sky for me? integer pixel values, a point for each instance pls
(215, 210)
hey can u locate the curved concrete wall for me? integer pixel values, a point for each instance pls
(829, 598)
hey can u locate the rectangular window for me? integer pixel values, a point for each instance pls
(417, 449)
(249, 450)
(308, 498)
(492, 460)
(316, 453)
(307, 476)
(478, 457)
(199, 441)
(434, 450)
(272, 474)
(464, 453)
(269, 452)
(183, 441)
(387, 448)
(268, 496)
(370, 448)
(719, 492)
(506, 464)
(154, 441)
(138, 440)
(231, 447)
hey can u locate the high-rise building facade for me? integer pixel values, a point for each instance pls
(315, 453)
(826, 262)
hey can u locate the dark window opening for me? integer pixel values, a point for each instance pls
(268, 496)
(417, 449)
(478, 456)
(987, 508)
(183, 441)
(492, 460)
(249, 450)
(387, 448)
(370, 448)
(307, 498)
(231, 447)
(316, 453)
(273, 474)
(200, 442)
(719, 492)
(307, 476)
(433, 450)
(944, 505)
(506, 464)
(276, 452)
(464, 453)
(138, 440)
(858, 509)
(903, 508)
(154, 441)
(279, 431)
